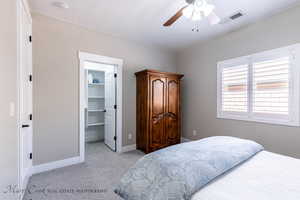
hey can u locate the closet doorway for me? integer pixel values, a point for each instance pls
(100, 102)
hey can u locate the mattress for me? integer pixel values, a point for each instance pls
(266, 176)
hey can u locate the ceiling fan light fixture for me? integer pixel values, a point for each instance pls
(195, 10)
(198, 10)
(188, 11)
(208, 9)
(191, 13)
(197, 16)
(213, 19)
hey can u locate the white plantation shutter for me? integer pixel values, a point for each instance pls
(263, 87)
(271, 86)
(234, 89)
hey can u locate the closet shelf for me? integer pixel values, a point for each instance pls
(96, 110)
(96, 84)
(96, 97)
(96, 124)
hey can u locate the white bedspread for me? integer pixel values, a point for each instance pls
(266, 176)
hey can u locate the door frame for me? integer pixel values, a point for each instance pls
(21, 4)
(118, 63)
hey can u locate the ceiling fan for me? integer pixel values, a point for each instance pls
(196, 10)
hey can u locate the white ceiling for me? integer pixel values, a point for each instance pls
(142, 20)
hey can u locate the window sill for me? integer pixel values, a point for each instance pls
(260, 120)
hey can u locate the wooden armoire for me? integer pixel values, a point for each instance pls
(158, 110)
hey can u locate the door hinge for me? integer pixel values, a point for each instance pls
(30, 117)
(30, 38)
(30, 78)
(30, 156)
(115, 106)
(115, 138)
(116, 75)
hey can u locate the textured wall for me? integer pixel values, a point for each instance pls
(56, 85)
(199, 64)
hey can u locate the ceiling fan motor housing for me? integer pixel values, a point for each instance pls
(190, 1)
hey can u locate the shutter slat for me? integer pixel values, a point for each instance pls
(234, 78)
(234, 89)
(262, 75)
(270, 69)
(271, 86)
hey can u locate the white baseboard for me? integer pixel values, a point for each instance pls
(55, 165)
(129, 148)
(185, 140)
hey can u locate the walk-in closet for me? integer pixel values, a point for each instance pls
(100, 104)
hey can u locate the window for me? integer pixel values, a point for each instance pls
(263, 87)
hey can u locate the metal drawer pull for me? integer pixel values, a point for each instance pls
(25, 126)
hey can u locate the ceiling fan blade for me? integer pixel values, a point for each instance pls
(173, 19)
(213, 18)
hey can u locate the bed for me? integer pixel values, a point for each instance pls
(266, 176)
(215, 168)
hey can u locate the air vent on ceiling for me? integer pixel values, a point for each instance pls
(232, 17)
(237, 15)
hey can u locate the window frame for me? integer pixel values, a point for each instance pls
(292, 118)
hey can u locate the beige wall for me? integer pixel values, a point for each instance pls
(198, 63)
(56, 77)
(56, 82)
(8, 88)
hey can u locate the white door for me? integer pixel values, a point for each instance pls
(25, 97)
(110, 114)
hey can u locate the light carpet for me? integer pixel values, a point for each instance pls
(93, 180)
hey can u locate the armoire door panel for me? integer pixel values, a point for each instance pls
(172, 129)
(158, 96)
(158, 107)
(157, 138)
(173, 112)
(173, 92)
